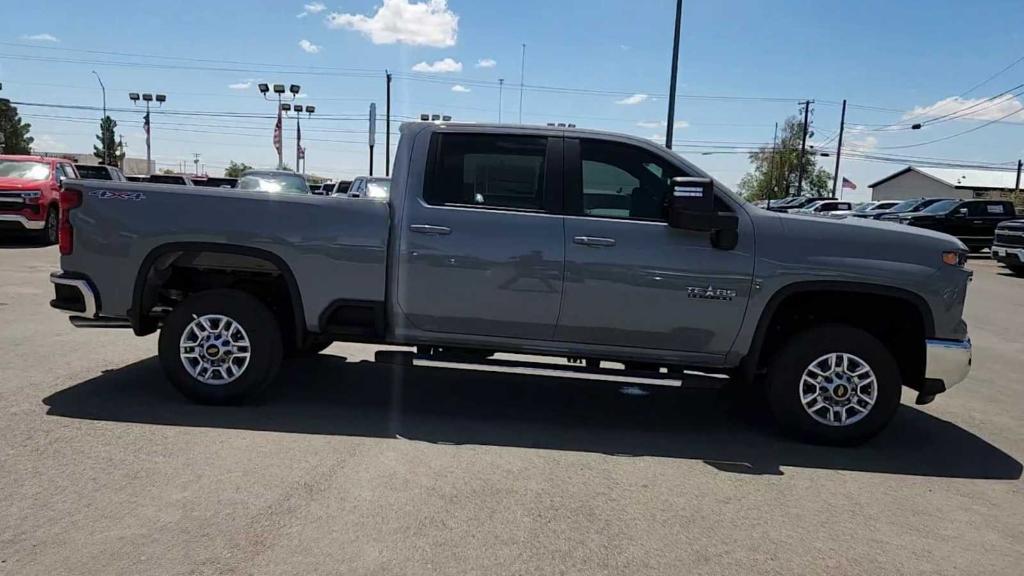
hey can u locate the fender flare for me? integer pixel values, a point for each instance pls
(141, 327)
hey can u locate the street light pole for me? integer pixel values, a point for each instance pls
(147, 125)
(106, 151)
(387, 129)
(279, 90)
(672, 83)
(803, 149)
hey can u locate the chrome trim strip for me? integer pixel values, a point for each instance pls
(29, 224)
(948, 360)
(88, 296)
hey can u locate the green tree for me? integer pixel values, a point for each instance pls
(106, 151)
(775, 171)
(235, 169)
(14, 138)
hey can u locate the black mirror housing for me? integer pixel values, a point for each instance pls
(692, 207)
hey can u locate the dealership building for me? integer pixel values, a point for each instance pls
(914, 182)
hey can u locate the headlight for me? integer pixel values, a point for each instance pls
(31, 197)
(954, 258)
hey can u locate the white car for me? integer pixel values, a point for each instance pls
(369, 187)
(825, 208)
(866, 209)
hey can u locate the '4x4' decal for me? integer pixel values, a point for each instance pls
(117, 195)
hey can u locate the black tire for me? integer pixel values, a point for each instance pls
(785, 384)
(50, 233)
(1017, 269)
(265, 349)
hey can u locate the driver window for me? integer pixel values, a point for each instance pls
(622, 181)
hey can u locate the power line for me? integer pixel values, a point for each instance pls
(951, 136)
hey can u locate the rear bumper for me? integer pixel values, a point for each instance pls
(25, 223)
(947, 363)
(73, 294)
(1006, 253)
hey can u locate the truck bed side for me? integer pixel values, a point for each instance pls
(335, 248)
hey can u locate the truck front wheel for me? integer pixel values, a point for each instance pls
(834, 384)
(220, 347)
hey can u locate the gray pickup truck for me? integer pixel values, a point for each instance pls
(544, 241)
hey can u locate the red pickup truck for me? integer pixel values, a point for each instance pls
(29, 193)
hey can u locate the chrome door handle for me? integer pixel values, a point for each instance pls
(593, 241)
(428, 229)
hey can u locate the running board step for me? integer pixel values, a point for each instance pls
(686, 378)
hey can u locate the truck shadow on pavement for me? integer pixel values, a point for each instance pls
(327, 395)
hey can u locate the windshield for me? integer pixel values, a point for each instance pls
(940, 207)
(25, 170)
(904, 206)
(284, 183)
(865, 207)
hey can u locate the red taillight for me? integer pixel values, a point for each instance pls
(69, 200)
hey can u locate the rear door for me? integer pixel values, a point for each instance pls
(985, 216)
(631, 280)
(482, 252)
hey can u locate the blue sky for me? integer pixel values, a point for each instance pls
(886, 58)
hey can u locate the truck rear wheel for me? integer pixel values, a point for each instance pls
(834, 384)
(220, 347)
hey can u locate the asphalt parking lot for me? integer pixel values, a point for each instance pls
(354, 467)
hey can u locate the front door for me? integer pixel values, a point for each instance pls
(482, 252)
(631, 280)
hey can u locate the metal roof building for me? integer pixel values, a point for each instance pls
(914, 182)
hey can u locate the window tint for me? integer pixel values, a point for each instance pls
(496, 171)
(986, 209)
(623, 181)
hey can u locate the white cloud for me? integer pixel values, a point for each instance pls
(301, 95)
(47, 143)
(982, 108)
(308, 46)
(631, 100)
(866, 144)
(439, 66)
(44, 37)
(427, 23)
(244, 85)
(460, 88)
(313, 8)
(486, 63)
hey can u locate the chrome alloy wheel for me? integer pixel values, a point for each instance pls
(214, 349)
(838, 389)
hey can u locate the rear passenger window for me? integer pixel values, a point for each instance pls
(997, 209)
(488, 171)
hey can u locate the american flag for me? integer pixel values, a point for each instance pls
(145, 126)
(277, 133)
(300, 152)
(848, 184)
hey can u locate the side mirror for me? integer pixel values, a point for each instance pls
(692, 207)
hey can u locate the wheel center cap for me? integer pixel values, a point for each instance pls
(840, 391)
(212, 350)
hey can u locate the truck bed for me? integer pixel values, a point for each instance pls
(335, 248)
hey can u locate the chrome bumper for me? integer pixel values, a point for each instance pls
(28, 224)
(948, 361)
(88, 296)
(1001, 252)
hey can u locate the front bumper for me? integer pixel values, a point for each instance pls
(947, 363)
(26, 223)
(1005, 253)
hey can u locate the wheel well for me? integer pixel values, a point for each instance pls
(172, 273)
(895, 320)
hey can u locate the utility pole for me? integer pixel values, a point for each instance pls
(387, 129)
(803, 149)
(1016, 187)
(501, 85)
(672, 84)
(522, 76)
(373, 132)
(195, 160)
(771, 165)
(839, 152)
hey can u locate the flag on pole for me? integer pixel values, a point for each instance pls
(302, 152)
(848, 184)
(277, 133)
(145, 127)
(298, 140)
